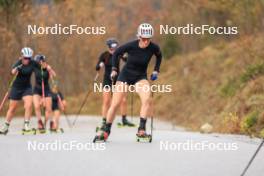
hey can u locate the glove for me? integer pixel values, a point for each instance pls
(113, 75)
(19, 68)
(101, 65)
(98, 66)
(154, 76)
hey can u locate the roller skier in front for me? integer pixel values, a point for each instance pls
(134, 73)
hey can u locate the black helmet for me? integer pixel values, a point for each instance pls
(39, 58)
(112, 43)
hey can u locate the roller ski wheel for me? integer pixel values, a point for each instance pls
(32, 131)
(142, 136)
(101, 137)
(4, 132)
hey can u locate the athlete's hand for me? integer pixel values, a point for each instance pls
(101, 65)
(154, 76)
(19, 68)
(113, 74)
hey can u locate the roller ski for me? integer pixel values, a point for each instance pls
(59, 130)
(101, 136)
(32, 131)
(28, 131)
(142, 136)
(53, 129)
(102, 125)
(4, 129)
(41, 128)
(3, 132)
(125, 123)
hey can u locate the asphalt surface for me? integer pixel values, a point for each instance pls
(172, 152)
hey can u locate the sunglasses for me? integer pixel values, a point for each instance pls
(145, 39)
(27, 58)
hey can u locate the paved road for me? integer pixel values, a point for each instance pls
(123, 155)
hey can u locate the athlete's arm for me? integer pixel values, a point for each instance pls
(16, 67)
(158, 55)
(51, 72)
(119, 52)
(100, 62)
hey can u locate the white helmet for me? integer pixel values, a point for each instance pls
(145, 30)
(27, 52)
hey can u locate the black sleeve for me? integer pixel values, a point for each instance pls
(158, 55)
(19, 62)
(119, 52)
(100, 59)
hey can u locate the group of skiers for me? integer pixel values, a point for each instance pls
(42, 96)
(136, 54)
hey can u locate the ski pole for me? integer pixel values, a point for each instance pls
(252, 158)
(132, 106)
(63, 110)
(7, 92)
(42, 85)
(151, 120)
(43, 96)
(84, 101)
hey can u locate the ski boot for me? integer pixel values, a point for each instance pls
(55, 130)
(4, 132)
(26, 130)
(101, 136)
(102, 125)
(125, 123)
(41, 129)
(4, 129)
(142, 136)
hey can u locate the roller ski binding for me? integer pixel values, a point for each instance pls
(29, 131)
(26, 130)
(53, 129)
(102, 125)
(142, 136)
(41, 128)
(101, 136)
(125, 123)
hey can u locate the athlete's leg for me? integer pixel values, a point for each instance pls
(37, 104)
(11, 110)
(56, 118)
(106, 102)
(48, 108)
(28, 106)
(123, 106)
(117, 98)
(144, 92)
